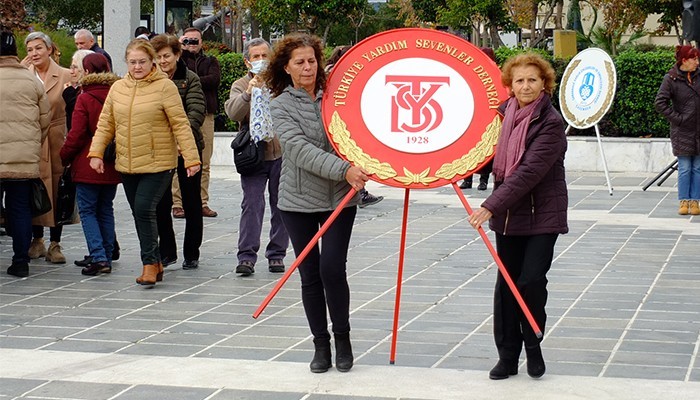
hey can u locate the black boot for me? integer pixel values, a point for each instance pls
(20, 270)
(483, 182)
(504, 369)
(535, 362)
(116, 252)
(343, 352)
(322, 355)
(466, 183)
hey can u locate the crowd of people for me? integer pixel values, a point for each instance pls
(152, 131)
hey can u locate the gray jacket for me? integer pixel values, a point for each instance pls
(313, 176)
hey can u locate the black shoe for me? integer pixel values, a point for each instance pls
(343, 352)
(166, 261)
(116, 252)
(367, 199)
(322, 356)
(535, 362)
(84, 262)
(95, 268)
(194, 264)
(245, 268)
(504, 369)
(19, 270)
(466, 184)
(482, 186)
(276, 266)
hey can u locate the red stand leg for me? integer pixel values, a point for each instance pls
(304, 253)
(399, 279)
(501, 267)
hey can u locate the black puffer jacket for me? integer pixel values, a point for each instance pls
(190, 89)
(533, 200)
(678, 100)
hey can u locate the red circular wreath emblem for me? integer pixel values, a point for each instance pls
(414, 107)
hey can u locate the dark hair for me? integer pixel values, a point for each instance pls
(142, 30)
(685, 53)
(95, 63)
(276, 78)
(338, 52)
(164, 40)
(193, 29)
(8, 44)
(547, 73)
(489, 52)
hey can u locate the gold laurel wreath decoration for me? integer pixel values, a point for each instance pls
(608, 97)
(476, 155)
(565, 80)
(349, 148)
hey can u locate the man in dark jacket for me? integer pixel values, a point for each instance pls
(84, 40)
(207, 68)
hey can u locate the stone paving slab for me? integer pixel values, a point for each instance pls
(624, 290)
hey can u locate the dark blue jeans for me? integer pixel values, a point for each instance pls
(323, 274)
(19, 217)
(95, 206)
(253, 211)
(144, 191)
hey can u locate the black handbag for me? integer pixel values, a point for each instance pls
(65, 202)
(41, 202)
(248, 156)
(110, 154)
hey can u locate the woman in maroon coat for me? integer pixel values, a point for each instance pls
(94, 192)
(527, 208)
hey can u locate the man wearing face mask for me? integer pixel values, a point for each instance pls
(207, 68)
(255, 54)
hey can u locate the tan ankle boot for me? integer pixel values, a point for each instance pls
(54, 255)
(37, 249)
(159, 276)
(149, 275)
(683, 209)
(694, 207)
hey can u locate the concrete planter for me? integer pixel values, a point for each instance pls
(622, 154)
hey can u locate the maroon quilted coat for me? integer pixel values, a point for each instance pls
(533, 200)
(88, 106)
(678, 100)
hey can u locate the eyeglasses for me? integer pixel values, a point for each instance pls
(134, 63)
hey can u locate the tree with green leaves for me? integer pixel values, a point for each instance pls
(12, 15)
(427, 10)
(484, 16)
(309, 15)
(69, 14)
(670, 11)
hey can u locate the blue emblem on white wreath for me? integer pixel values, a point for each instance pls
(587, 88)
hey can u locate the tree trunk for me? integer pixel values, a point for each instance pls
(238, 39)
(533, 22)
(254, 27)
(560, 14)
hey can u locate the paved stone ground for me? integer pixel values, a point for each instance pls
(624, 310)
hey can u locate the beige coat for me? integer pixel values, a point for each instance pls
(50, 168)
(148, 123)
(24, 120)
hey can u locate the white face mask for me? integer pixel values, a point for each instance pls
(258, 66)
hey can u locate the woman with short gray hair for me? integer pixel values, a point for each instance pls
(54, 78)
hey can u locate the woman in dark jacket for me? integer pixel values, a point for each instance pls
(168, 50)
(527, 209)
(679, 101)
(94, 192)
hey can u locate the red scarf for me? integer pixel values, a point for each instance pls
(511, 144)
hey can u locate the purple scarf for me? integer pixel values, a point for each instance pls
(511, 144)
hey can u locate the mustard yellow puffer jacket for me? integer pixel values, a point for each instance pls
(149, 123)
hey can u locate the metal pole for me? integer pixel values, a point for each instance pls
(399, 279)
(304, 252)
(501, 267)
(605, 163)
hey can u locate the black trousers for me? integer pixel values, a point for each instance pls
(143, 192)
(527, 259)
(324, 280)
(194, 225)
